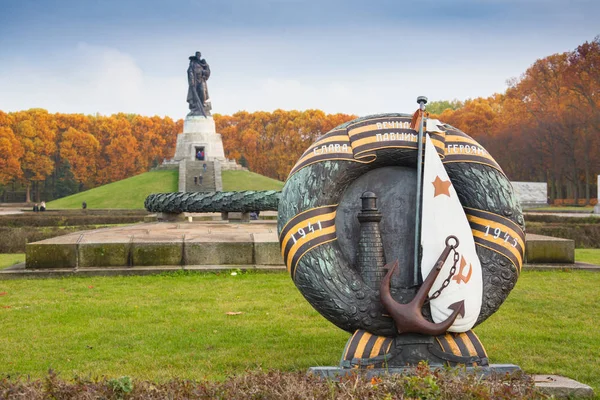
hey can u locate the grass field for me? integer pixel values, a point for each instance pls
(158, 327)
(246, 180)
(591, 256)
(131, 192)
(8, 260)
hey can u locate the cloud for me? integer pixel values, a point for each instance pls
(97, 79)
(89, 79)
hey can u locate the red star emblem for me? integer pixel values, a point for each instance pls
(441, 187)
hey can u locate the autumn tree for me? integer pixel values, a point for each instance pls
(583, 79)
(35, 130)
(80, 150)
(11, 152)
(547, 125)
(439, 106)
(270, 143)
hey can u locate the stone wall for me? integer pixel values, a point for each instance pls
(531, 193)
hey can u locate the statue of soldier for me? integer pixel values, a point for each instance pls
(198, 73)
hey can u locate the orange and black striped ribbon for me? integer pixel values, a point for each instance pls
(368, 136)
(462, 148)
(360, 141)
(498, 234)
(364, 345)
(305, 231)
(334, 145)
(465, 344)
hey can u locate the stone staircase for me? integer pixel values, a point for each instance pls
(210, 181)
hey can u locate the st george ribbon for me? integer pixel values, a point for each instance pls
(443, 216)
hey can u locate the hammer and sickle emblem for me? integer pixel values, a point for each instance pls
(460, 277)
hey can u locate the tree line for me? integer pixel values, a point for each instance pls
(270, 143)
(54, 155)
(544, 127)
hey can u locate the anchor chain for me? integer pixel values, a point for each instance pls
(446, 282)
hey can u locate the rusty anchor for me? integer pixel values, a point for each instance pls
(408, 317)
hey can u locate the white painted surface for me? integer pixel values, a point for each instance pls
(443, 216)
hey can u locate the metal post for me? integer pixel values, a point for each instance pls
(422, 100)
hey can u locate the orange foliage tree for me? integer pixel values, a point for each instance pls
(38, 150)
(272, 142)
(80, 150)
(11, 152)
(546, 127)
(36, 131)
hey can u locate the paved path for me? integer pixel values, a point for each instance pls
(166, 232)
(563, 214)
(9, 211)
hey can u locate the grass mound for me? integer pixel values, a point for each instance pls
(424, 384)
(130, 193)
(246, 180)
(126, 193)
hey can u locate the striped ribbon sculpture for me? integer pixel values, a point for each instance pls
(311, 252)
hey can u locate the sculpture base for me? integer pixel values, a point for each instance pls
(335, 372)
(199, 135)
(367, 351)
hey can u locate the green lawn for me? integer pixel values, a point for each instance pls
(8, 260)
(161, 326)
(158, 327)
(588, 209)
(127, 193)
(549, 325)
(591, 256)
(246, 180)
(131, 192)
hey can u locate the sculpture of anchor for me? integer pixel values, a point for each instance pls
(408, 317)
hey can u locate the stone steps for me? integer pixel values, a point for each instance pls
(196, 169)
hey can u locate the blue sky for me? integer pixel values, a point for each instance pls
(350, 56)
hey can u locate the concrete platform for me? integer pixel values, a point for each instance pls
(562, 388)
(335, 372)
(214, 243)
(160, 244)
(541, 249)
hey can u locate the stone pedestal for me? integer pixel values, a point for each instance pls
(235, 216)
(199, 175)
(199, 133)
